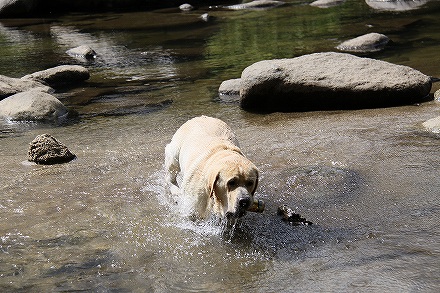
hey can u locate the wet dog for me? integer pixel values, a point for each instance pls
(215, 175)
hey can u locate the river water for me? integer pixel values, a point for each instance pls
(367, 179)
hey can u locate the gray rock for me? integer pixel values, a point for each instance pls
(432, 125)
(437, 95)
(46, 150)
(33, 105)
(257, 4)
(324, 81)
(229, 91)
(82, 52)
(326, 3)
(16, 7)
(60, 75)
(11, 86)
(371, 42)
(186, 7)
(205, 17)
(230, 87)
(396, 5)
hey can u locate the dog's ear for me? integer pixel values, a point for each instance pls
(256, 182)
(212, 181)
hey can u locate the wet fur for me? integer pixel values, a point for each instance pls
(215, 174)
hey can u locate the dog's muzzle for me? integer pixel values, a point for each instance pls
(242, 205)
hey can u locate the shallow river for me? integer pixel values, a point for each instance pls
(367, 179)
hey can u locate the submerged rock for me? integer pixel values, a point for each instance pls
(46, 150)
(257, 4)
(11, 86)
(82, 52)
(321, 181)
(371, 42)
(324, 81)
(60, 75)
(33, 105)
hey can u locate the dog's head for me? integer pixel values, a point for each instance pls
(233, 187)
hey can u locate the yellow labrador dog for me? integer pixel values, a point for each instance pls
(215, 175)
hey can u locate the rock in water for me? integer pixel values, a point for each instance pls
(186, 7)
(330, 81)
(33, 105)
(46, 150)
(288, 215)
(257, 4)
(60, 75)
(432, 125)
(371, 42)
(326, 3)
(82, 52)
(10, 86)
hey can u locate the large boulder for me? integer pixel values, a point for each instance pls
(324, 81)
(60, 75)
(33, 105)
(47, 150)
(371, 42)
(11, 86)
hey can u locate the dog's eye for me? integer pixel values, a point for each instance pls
(249, 183)
(232, 183)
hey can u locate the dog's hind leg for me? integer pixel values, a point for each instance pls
(172, 168)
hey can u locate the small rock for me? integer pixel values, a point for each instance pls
(60, 75)
(437, 95)
(229, 91)
(326, 3)
(205, 17)
(230, 87)
(82, 52)
(371, 42)
(46, 150)
(186, 7)
(432, 125)
(288, 215)
(257, 4)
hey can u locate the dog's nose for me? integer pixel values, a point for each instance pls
(244, 202)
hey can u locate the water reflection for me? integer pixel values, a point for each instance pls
(115, 59)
